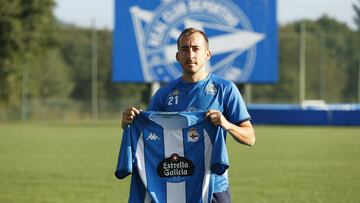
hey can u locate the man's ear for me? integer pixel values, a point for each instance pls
(208, 54)
(177, 56)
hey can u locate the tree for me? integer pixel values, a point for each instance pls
(357, 16)
(75, 47)
(10, 40)
(28, 32)
(331, 49)
(52, 76)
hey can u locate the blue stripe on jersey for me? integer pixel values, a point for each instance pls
(154, 146)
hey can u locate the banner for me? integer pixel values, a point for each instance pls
(242, 38)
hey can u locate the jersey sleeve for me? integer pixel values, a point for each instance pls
(219, 160)
(155, 103)
(125, 160)
(235, 108)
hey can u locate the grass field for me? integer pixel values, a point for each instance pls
(68, 163)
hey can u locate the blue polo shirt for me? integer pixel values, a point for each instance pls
(213, 93)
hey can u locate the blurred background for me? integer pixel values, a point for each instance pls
(49, 50)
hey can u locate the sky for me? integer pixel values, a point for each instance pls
(100, 13)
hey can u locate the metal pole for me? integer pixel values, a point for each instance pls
(248, 93)
(24, 93)
(322, 71)
(94, 73)
(358, 94)
(302, 63)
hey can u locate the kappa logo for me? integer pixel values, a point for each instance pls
(152, 137)
(224, 22)
(175, 93)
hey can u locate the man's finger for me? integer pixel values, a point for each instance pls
(135, 110)
(209, 112)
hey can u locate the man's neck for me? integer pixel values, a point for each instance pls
(195, 77)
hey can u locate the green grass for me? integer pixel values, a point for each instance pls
(59, 163)
(298, 164)
(75, 163)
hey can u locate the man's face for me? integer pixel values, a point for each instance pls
(192, 53)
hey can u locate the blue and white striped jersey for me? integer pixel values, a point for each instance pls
(171, 157)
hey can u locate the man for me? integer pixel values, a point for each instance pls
(198, 90)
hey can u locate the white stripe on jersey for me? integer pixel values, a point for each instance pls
(140, 156)
(173, 143)
(207, 155)
(176, 192)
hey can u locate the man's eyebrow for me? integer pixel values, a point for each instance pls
(187, 46)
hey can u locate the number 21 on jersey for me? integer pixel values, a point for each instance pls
(173, 100)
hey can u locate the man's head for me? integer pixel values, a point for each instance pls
(190, 31)
(193, 52)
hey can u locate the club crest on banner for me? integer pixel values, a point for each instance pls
(233, 40)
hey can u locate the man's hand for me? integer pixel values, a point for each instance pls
(128, 116)
(217, 118)
(243, 133)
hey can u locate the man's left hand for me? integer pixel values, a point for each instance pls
(217, 118)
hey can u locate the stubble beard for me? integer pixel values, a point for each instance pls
(194, 71)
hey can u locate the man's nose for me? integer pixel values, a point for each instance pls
(191, 53)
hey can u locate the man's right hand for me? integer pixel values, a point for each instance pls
(128, 116)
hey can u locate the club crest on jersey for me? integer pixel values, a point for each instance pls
(192, 135)
(211, 89)
(175, 166)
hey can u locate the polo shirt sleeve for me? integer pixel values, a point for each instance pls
(155, 103)
(235, 109)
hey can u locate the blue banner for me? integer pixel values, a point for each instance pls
(242, 38)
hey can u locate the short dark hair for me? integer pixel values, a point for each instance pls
(190, 31)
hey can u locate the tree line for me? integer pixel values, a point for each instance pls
(42, 58)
